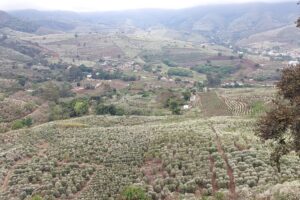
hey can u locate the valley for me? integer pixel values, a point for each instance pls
(162, 102)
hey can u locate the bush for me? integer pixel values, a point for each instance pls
(169, 63)
(219, 196)
(36, 197)
(81, 108)
(174, 106)
(134, 193)
(109, 109)
(187, 95)
(18, 124)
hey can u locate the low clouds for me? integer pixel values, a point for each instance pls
(105, 5)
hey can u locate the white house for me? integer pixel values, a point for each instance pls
(89, 76)
(293, 63)
(186, 107)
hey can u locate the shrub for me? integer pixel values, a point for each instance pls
(174, 106)
(187, 95)
(134, 193)
(18, 124)
(36, 197)
(219, 196)
(169, 63)
(109, 109)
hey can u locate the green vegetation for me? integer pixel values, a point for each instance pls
(257, 108)
(170, 63)
(281, 123)
(81, 108)
(101, 74)
(220, 70)
(187, 95)
(18, 124)
(180, 72)
(73, 108)
(134, 193)
(174, 106)
(102, 109)
(36, 197)
(96, 157)
(149, 112)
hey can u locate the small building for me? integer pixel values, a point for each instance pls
(186, 107)
(293, 63)
(89, 76)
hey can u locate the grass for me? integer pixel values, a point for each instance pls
(67, 125)
(257, 108)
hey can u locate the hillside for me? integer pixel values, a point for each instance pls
(94, 105)
(8, 21)
(170, 157)
(223, 22)
(286, 36)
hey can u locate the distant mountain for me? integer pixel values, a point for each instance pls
(219, 22)
(8, 21)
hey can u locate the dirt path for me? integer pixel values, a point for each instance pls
(148, 167)
(86, 185)
(4, 185)
(231, 185)
(42, 150)
(214, 175)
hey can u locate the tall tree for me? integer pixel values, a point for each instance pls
(281, 125)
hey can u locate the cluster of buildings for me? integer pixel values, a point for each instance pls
(233, 84)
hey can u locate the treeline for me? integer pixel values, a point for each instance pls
(219, 70)
(78, 73)
(180, 72)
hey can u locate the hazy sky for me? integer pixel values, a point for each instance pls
(105, 5)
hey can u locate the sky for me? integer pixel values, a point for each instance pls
(108, 5)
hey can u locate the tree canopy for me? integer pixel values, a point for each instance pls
(281, 124)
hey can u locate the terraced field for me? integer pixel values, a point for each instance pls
(247, 101)
(170, 157)
(212, 105)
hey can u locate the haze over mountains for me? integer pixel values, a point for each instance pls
(223, 22)
(158, 102)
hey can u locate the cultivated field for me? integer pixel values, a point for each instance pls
(170, 157)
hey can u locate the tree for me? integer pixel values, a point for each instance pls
(22, 80)
(51, 92)
(57, 112)
(174, 106)
(81, 108)
(187, 95)
(65, 90)
(213, 79)
(281, 125)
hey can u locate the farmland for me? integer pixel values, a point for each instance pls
(162, 103)
(170, 157)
